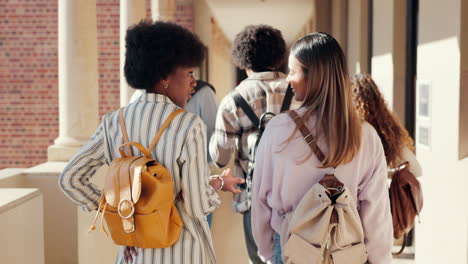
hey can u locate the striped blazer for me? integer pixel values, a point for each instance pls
(181, 149)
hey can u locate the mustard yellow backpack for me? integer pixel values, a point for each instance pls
(138, 201)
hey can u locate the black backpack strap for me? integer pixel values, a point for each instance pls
(287, 99)
(242, 103)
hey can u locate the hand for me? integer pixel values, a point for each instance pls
(231, 182)
(128, 252)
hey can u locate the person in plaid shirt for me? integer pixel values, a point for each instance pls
(259, 50)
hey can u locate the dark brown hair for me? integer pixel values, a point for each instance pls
(259, 48)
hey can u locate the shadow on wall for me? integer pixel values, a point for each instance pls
(439, 9)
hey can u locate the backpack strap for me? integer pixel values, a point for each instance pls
(163, 128)
(242, 103)
(308, 137)
(136, 145)
(403, 245)
(287, 99)
(332, 184)
(156, 138)
(124, 132)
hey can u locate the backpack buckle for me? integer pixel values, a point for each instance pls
(119, 209)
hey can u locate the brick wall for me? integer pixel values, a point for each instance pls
(108, 30)
(29, 69)
(184, 13)
(148, 9)
(28, 81)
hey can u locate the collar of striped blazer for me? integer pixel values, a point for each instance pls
(152, 97)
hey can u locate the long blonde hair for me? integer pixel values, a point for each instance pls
(329, 96)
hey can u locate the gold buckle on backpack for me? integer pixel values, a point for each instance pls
(120, 206)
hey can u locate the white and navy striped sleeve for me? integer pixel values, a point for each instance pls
(75, 178)
(200, 198)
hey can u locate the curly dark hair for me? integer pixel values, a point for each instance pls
(155, 50)
(259, 48)
(371, 105)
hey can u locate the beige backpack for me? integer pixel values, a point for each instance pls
(325, 227)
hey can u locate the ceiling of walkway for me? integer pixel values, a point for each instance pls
(287, 16)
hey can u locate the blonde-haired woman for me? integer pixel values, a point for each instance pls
(286, 168)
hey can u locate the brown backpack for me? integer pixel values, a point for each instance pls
(138, 201)
(406, 201)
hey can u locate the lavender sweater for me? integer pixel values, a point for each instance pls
(280, 181)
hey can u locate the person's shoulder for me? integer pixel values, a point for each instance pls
(278, 129)
(189, 117)
(107, 117)
(370, 137)
(279, 124)
(228, 103)
(191, 120)
(282, 119)
(205, 90)
(245, 85)
(252, 89)
(204, 94)
(279, 82)
(368, 130)
(248, 86)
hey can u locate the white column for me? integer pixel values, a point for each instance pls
(131, 12)
(163, 10)
(389, 52)
(339, 22)
(442, 235)
(364, 28)
(354, 36)
(357, 36)
(382, 48)
(399, 58)
(323, 16)
(78, 77)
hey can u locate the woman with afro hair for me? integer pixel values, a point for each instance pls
(160, 60)
(259, 50)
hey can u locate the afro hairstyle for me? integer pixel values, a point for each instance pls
(155, 50)
(259, 48)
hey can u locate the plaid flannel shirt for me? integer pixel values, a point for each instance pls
(264, 92)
